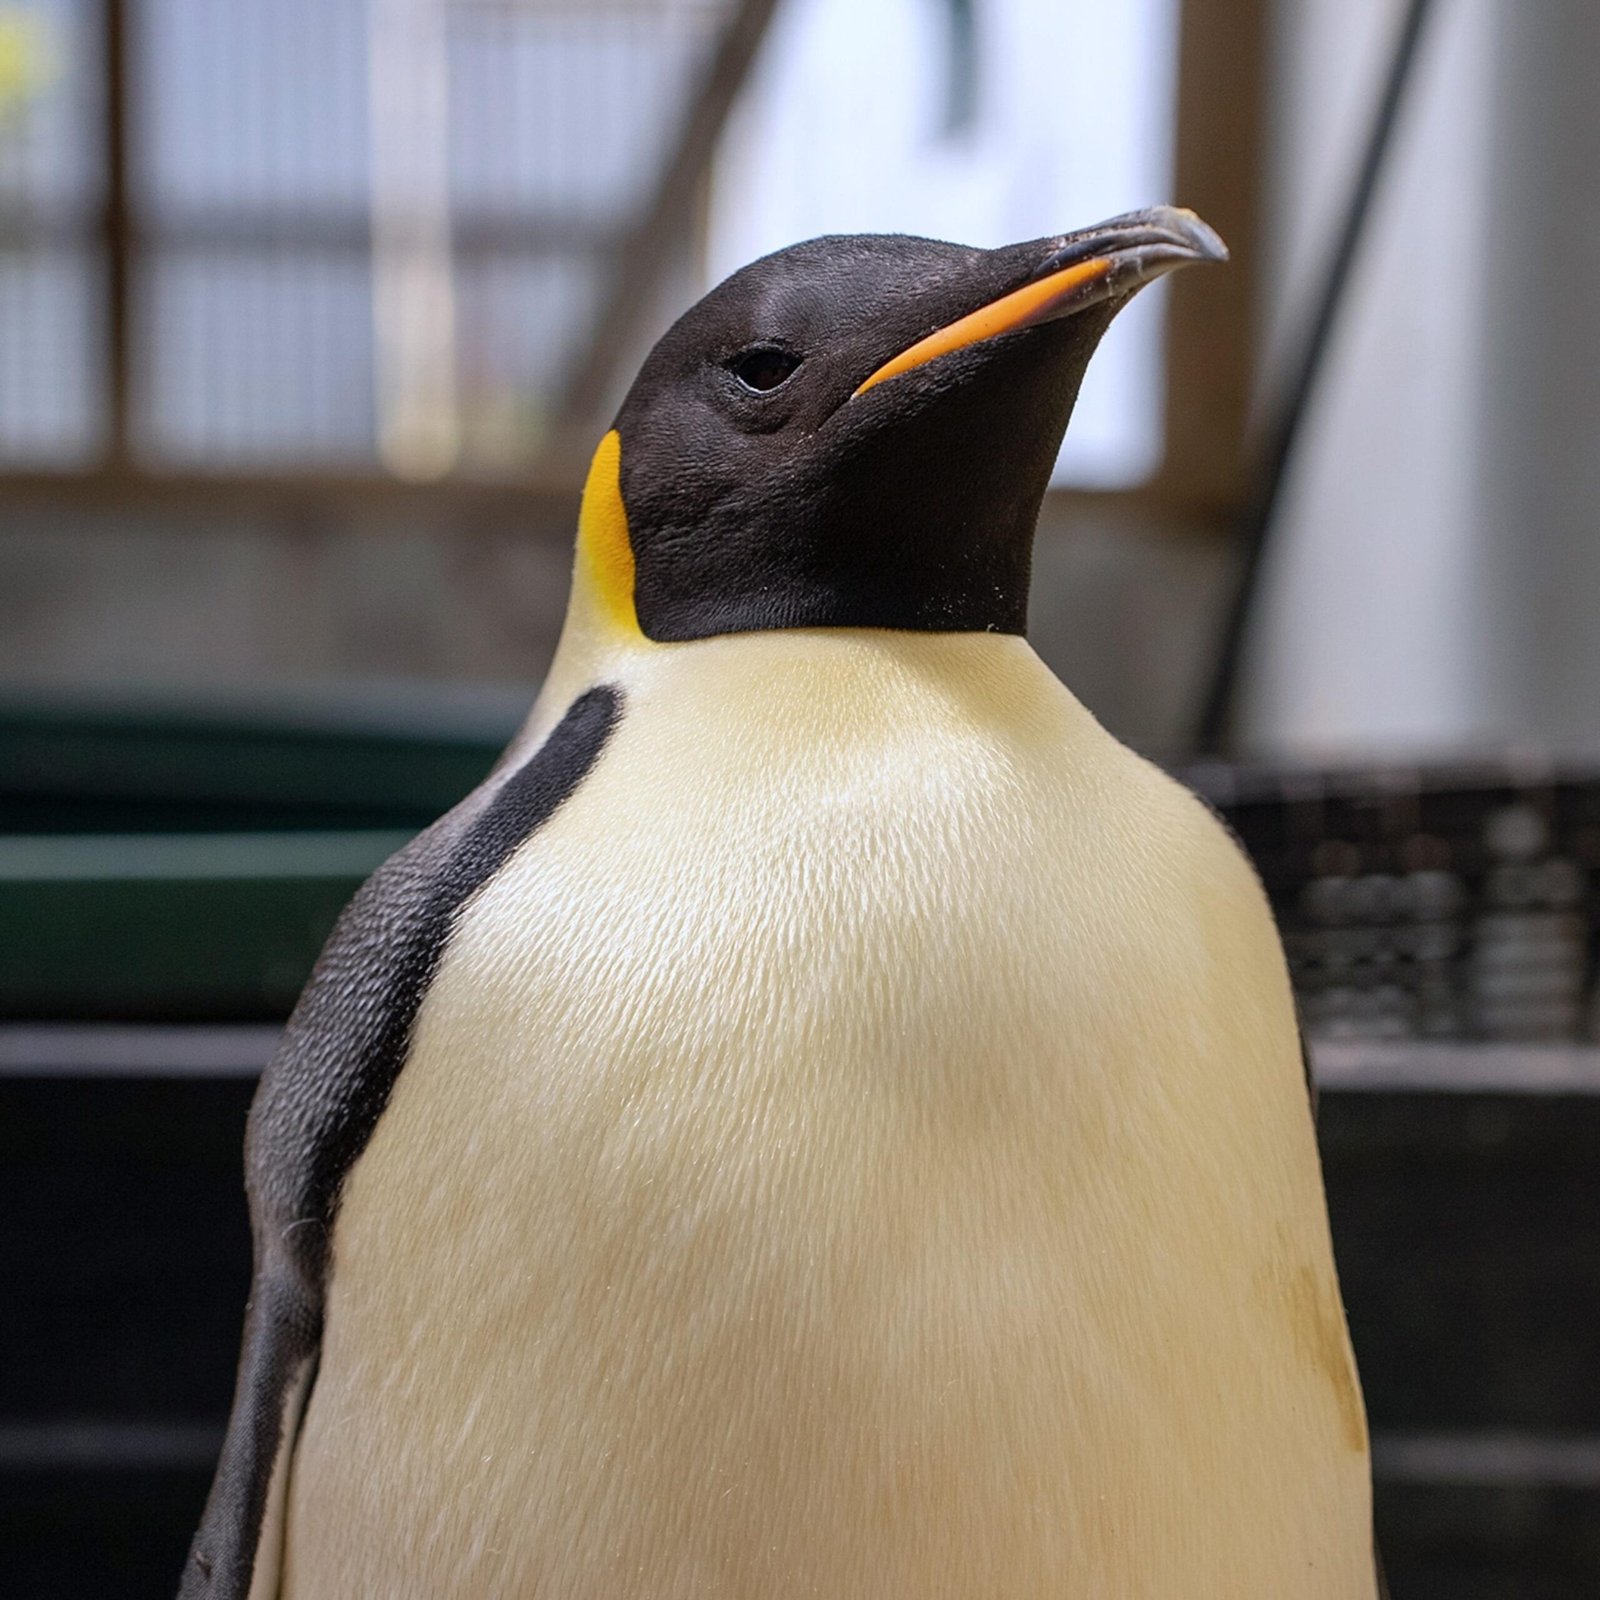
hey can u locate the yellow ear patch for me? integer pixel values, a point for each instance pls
(605, 553)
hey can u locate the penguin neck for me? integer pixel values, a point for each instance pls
(844, 676)
(602, 641)
(595, 647)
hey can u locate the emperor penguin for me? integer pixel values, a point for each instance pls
(823, 1118)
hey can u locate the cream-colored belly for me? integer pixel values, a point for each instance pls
(857, 1148)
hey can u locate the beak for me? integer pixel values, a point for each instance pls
(1077, 271)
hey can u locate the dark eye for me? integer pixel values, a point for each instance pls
(763, 367)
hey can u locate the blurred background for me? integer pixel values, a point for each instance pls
(310, 314)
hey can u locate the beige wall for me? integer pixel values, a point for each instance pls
(177, 602)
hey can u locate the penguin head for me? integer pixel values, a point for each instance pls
(858, 431)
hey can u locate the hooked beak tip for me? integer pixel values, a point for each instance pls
(1111, 261)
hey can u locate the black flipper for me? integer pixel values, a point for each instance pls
(320, 1099)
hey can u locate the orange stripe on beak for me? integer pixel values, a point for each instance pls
(1033, 302)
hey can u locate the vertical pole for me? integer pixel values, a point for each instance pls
(1219, 161)
(117, 232)
(413, 281)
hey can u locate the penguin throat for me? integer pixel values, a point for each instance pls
(851, 596)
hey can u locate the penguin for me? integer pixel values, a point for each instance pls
(823, 1117)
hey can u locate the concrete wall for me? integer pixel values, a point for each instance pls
(1368, 637)
(182, 604)
(1439, 568)
(181, 601)
(1541, 401)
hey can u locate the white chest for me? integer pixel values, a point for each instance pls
(843, 1155)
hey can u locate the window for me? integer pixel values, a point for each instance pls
(384, 239)
(52, 266)
(347, 229)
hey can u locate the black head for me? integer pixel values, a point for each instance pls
(858, 431)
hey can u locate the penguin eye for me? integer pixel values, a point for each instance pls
(763, 367)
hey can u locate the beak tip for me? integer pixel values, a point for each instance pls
(1199, 235)
(1109, 262)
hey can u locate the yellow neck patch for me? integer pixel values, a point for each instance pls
(605, 553)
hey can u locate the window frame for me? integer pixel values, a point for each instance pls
(1223, 48)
